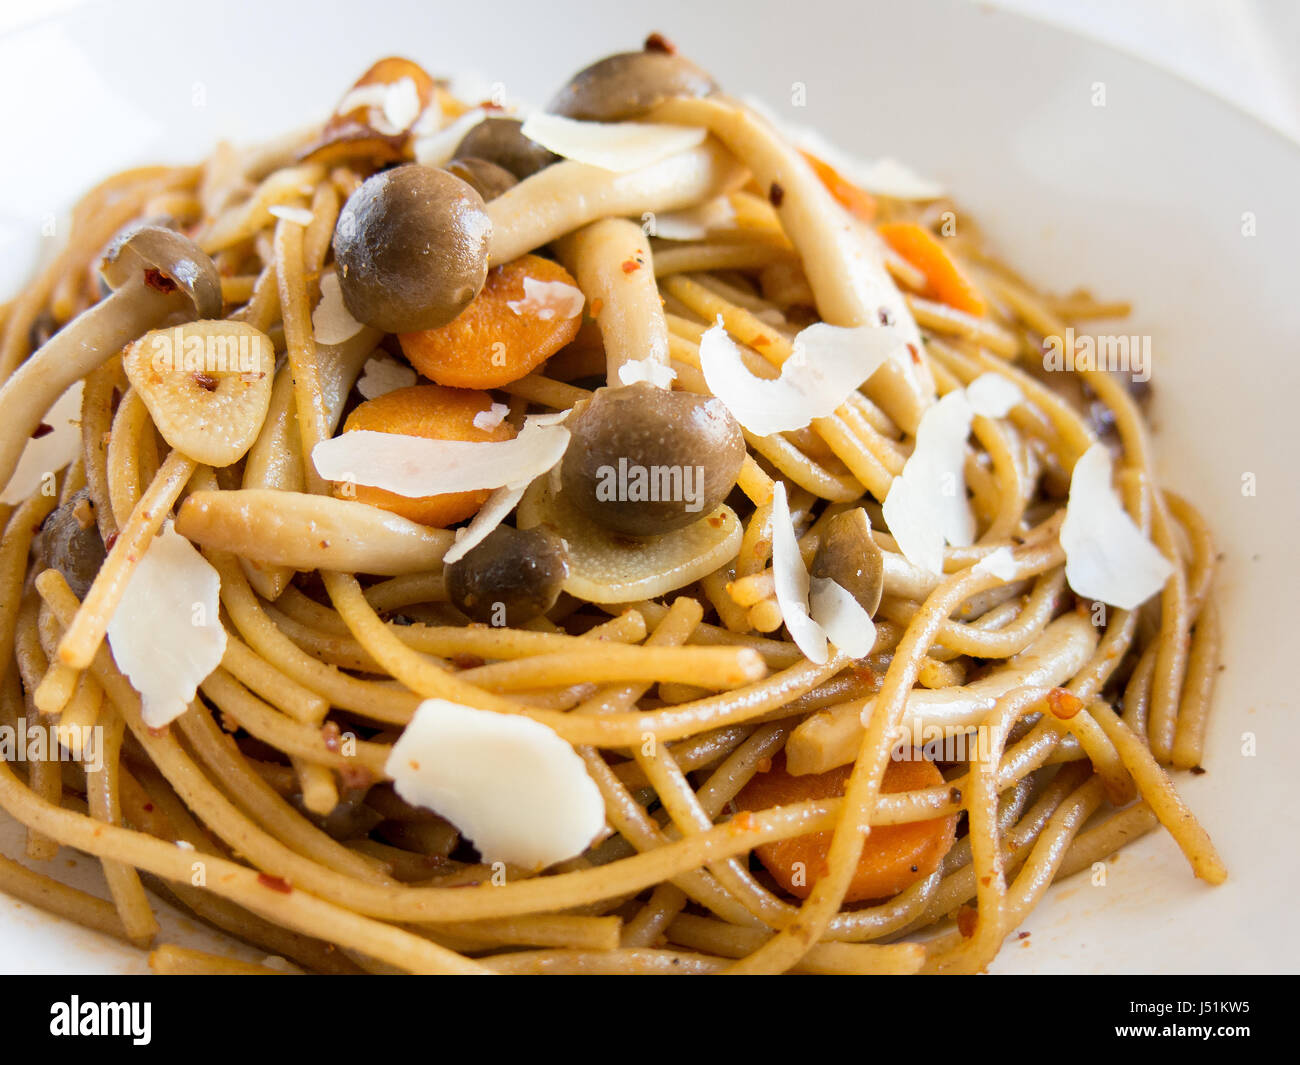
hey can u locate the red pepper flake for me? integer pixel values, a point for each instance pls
(490, 105)
(743, 820)
(775, 194)
(761, 341)
(631, 266)
(916, 355)
(1198, 770)
(275, 883)
(42, 430)
(657, 42)
(1063, 704)
(716, 521)
(148, 807)
(597, 305)
(206, 382)
(1022, 935)
(764, 765)
(108, 544)
(966, 921)
(155, 278)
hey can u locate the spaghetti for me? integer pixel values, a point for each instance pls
(751, 783)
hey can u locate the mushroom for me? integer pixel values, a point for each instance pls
(850, 557)
(513, 576)
(629, 84)
(486, 178)
(69, 541)
(501, 141)
(642, 459)
(155, 274)
(412, 247)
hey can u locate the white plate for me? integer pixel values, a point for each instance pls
(1141, 198)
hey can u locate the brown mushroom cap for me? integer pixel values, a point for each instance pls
(166, 259)
(411, 245)
(69, 542)
(629, 84)
(502, 141)
(850, 556)
(513, 576)
(644, 460)
(485, 178)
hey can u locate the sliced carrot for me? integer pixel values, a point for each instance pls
(944, 278)
(436, 414)
(893, 856)
(491, 343)
(858, 202)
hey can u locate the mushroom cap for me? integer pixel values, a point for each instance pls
(486, 178)
(175, 259)
(518, 571)
(501, 140)
(850, 556)
(644, 460)
(412, 248)
(629, 84)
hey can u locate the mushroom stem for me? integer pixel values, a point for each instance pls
(568, 195)
(73, 352)
(844, 260)
(612, 264)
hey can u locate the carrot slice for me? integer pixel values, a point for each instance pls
(490, 343)
(858, 202)
(944, 278)
(436, 414)
(893, 857)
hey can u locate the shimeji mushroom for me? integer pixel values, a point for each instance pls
(629, 84)
(500, 140)
(156, 275)
(207, 386)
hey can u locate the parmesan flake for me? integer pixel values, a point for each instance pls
(383, 374)
(44, 455)
(652, 370)
(548, 299)
(331, 322)
(299, 215)
(616, 146)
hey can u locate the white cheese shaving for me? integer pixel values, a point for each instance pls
(415, 467)
(383, 374)
(1106, 555)
(517, 790)
(489, 419)
(1001, 563)
(392, 108)
(814, 610)
(829, 362)
(616, 146)
(993, 395)
(437, 148)
(491, 514)
(692, 223)
(44, 455)
(166, 633)
(927, 503)
(331, 322)
(657, 373)
(300, 215)
(548, 299)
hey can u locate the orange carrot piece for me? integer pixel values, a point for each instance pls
(436, 414)
(858, 202)
(489, 343)
(944, 278)
(893, 856)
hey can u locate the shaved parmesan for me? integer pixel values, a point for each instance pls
(993, 395)
(331, 323)
(392, 108)
(58, 444)
(416, 467)
(513, 787)
(829, 362)
(166, 633)
(489, 419)
(1000, 563)
(491, 514)
(548, 299)
(927, 503)
(438, 147)
(1106, 555)
(383, 374)
(617, 146)
(652, 370)
(693, 223)
(300, 215)
(815, 610)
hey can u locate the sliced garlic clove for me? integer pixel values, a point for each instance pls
(207, 386)
(609, 567)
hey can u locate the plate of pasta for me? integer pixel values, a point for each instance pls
(619, 510)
